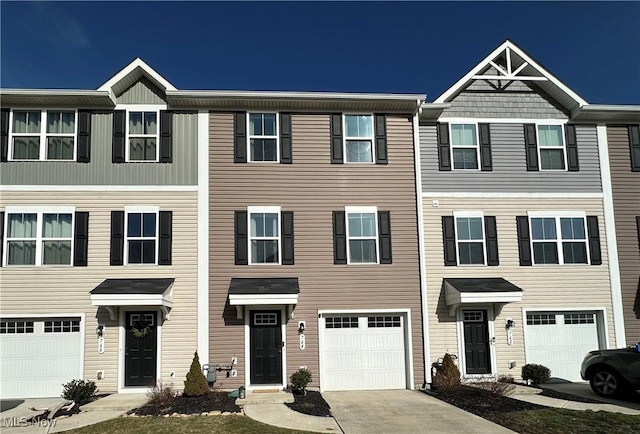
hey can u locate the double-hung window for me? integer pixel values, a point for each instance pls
(141, 235)
(263, 137)
(551, 147)
(39, 236)
(43, 135)
(559, 240)
(358, 138)
(464, 146)
(362, 235)
(470, 239)
(264, 235)
(142, 135)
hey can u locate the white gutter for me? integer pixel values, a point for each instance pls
(295, 95)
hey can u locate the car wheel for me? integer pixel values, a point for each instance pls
(606, 382)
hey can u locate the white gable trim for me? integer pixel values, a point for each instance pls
(489, 61)
(129, 69)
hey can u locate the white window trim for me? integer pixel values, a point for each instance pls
(264, 210)
(564, 145)
(557, 215)
(362, 209)
(345, 138)
(128, 108)
(39, 211)
(254, 136)
(476, 147)
(43, 133)
(140, 210)
(470, 214)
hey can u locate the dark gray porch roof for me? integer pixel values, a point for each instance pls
(491, 284)
(264, 286)
(133, 286)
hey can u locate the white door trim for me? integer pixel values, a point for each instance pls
(462, 363)
(247, 344)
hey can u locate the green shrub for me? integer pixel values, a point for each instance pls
(537, 374)
(447, 378)
(196, 383)
(300, 379)
(79, 391)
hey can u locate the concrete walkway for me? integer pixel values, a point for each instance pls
(109, 407)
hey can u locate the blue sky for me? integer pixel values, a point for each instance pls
(413, 47)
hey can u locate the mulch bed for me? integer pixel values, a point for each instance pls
(213, 401)
(312, 403)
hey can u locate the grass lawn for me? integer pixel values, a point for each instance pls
(559, 420)
(192, 424)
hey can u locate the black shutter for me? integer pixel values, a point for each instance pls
(117, 238)
(524, 241)
(572, 149)
(381, 139)
(241, 253)
(384, 237)
(166, 236)
(594, 240)
(336, 139)
(339, 238)
(240, 137)
(287, 237)
(531, 147)
(444, 154)
(1, 235)
(84, 136)
(166, 136)
(449, 240)
(4, 135)
(81, 239)
(119, 139)
(286, 156)
(634, 147)
(637, 224)
(491, 238)
(486, 162)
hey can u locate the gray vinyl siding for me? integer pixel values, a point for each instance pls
(509, 165)
(101, 171)
(516, 100)
(141, 92)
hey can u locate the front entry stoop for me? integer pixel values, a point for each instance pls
(261, 397)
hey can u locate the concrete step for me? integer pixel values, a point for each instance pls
(277, 397)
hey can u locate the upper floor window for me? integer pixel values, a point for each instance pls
(43, 135)
(470, 240)
(464, 146)
(559, 240)
(142, 236)
(358, 138)
(551, 147)
(362, 235)
(264, 235)
(39, 237)
(142, 135)
(263, 137)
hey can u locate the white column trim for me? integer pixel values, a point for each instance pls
(203, 237)
(610, 230)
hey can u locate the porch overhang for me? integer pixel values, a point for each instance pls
(263, 291)
(114, 293)
(495, 290)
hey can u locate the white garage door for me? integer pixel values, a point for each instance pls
(38, 355)
(363, 352)
(559, 340)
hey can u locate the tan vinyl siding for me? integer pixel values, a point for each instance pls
(141, 92)
(626, 204)
(45, 290)
(312, 188)
(544, 286)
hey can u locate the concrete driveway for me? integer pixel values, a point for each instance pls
(584, 390)
(402, 411)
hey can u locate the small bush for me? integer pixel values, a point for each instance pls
(79, 391)
(162, 395)
(447, 378)
(538, 374)
(196, 383)
(506, 379)
(300, 379)
(497, 388)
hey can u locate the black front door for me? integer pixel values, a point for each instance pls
(476, 342)
(140, 353)
(266, 347)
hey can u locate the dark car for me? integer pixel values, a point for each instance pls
(612, 372)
